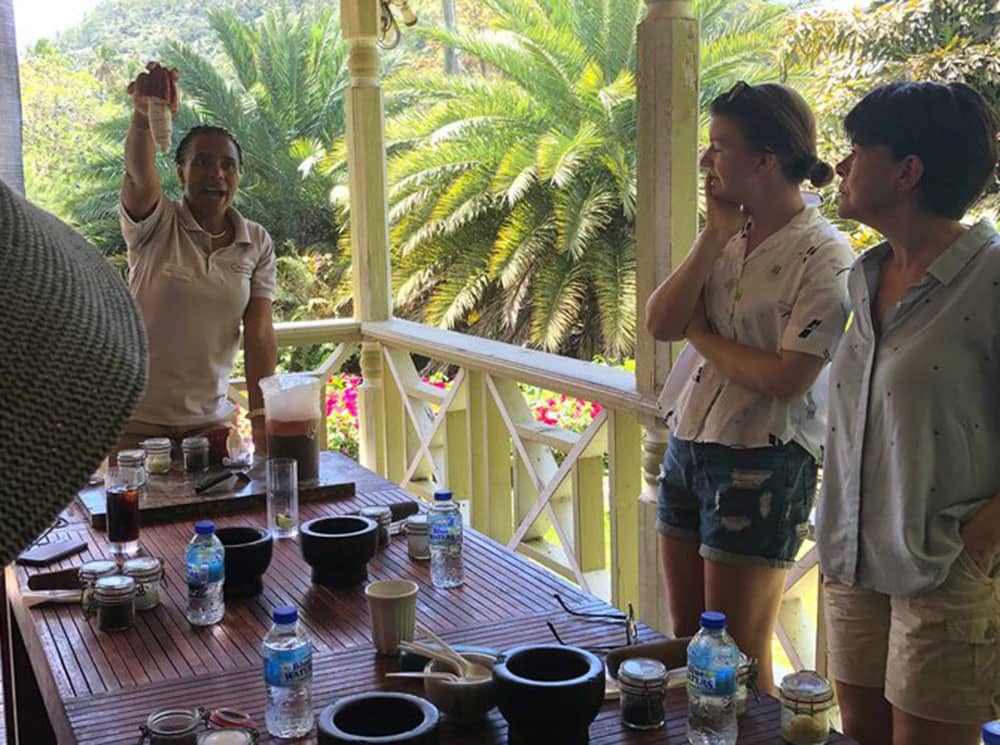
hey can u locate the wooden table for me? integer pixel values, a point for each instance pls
(66, 682)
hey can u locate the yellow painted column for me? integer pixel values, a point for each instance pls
(666, 224)
(369, 227)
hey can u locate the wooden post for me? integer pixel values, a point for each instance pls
(369, 227)
(666, 224)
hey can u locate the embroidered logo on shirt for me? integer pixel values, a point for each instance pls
(245, 269)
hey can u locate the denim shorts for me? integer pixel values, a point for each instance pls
(744, 505)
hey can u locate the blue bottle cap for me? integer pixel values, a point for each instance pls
(991, 733)
(713, 620)
(285, 614)
(204, 527)
(442, 495)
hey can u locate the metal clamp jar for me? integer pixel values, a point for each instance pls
(383, 518)
(147, 571)
(173, 726)
(88, 574)
(746, 681)
(417, 545)
(642, 682)
(806, 700)
(195, 451)
(114, 602)
(157, 454)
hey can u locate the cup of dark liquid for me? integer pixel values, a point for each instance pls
(122, 490)
(292, 405)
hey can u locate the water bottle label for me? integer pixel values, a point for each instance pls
(444, 531)
(721, 682)
(289, 667)
(205, 573)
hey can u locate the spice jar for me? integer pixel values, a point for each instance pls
(88, 574)
(746, 680)
(147, 571)
(230, 736)
(806, 699)
(195, 451)
(417, 545)
(383, 518)
(114, 598)
(157, 454)
(643, 683)
(173, 726)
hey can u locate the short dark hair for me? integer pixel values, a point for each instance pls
(776, 119)
(202, 129)
(950, 127)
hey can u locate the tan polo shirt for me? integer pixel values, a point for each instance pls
(192, 301)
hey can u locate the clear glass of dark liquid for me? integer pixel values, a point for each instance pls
(298, 440)
(123, 490)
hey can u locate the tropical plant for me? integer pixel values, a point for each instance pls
(512, 190)
(841, 55)
(286, 97)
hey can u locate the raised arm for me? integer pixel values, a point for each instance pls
(670, 308)
(141, 185)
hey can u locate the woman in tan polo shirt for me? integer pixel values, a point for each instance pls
(198, 272)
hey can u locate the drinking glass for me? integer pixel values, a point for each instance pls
(122, 490)
(283, 497)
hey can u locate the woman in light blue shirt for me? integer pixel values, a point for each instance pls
(909, 518)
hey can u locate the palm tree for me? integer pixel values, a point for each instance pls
(11, 165)
(512, 192)
(284, 100)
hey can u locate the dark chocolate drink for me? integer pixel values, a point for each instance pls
(297, 440)
(123, 514)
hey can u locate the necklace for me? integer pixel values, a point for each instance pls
(216, 236)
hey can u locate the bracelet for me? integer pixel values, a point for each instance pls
(254, 413)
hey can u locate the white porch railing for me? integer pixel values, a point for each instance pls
(519, 476)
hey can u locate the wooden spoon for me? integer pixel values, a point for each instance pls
(468, 668)
(450, 677)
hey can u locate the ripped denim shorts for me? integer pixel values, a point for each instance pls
(744, 505)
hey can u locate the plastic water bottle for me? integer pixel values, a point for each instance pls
(205, 557)
(288, 675)
(991, 733)
(712, 661)
(444, 531)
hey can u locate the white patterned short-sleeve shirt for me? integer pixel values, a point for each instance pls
(790, 293)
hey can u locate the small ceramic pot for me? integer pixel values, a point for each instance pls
(379, 717)
(248, 555)
(338, 549)
(549, 693)
(464, 702)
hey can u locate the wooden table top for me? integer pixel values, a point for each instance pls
(98, 688)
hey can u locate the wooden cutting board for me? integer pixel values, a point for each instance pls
(171, 496)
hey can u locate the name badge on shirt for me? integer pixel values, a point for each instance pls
(176, 271)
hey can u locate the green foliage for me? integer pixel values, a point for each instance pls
(284, 98)
(512, 191)
(59, 115)
(839, 56)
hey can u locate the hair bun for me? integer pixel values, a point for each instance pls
(821, 173)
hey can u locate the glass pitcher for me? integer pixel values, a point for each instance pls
(293, 410)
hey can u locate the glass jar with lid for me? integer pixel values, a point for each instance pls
(383, 518)
(157, 454)
(642, 682)
(417, 545)
(195, 451)
(746, 681)
(147, 571)
(88, 574)
(173, 726)
(114, 602)
(806, 700)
